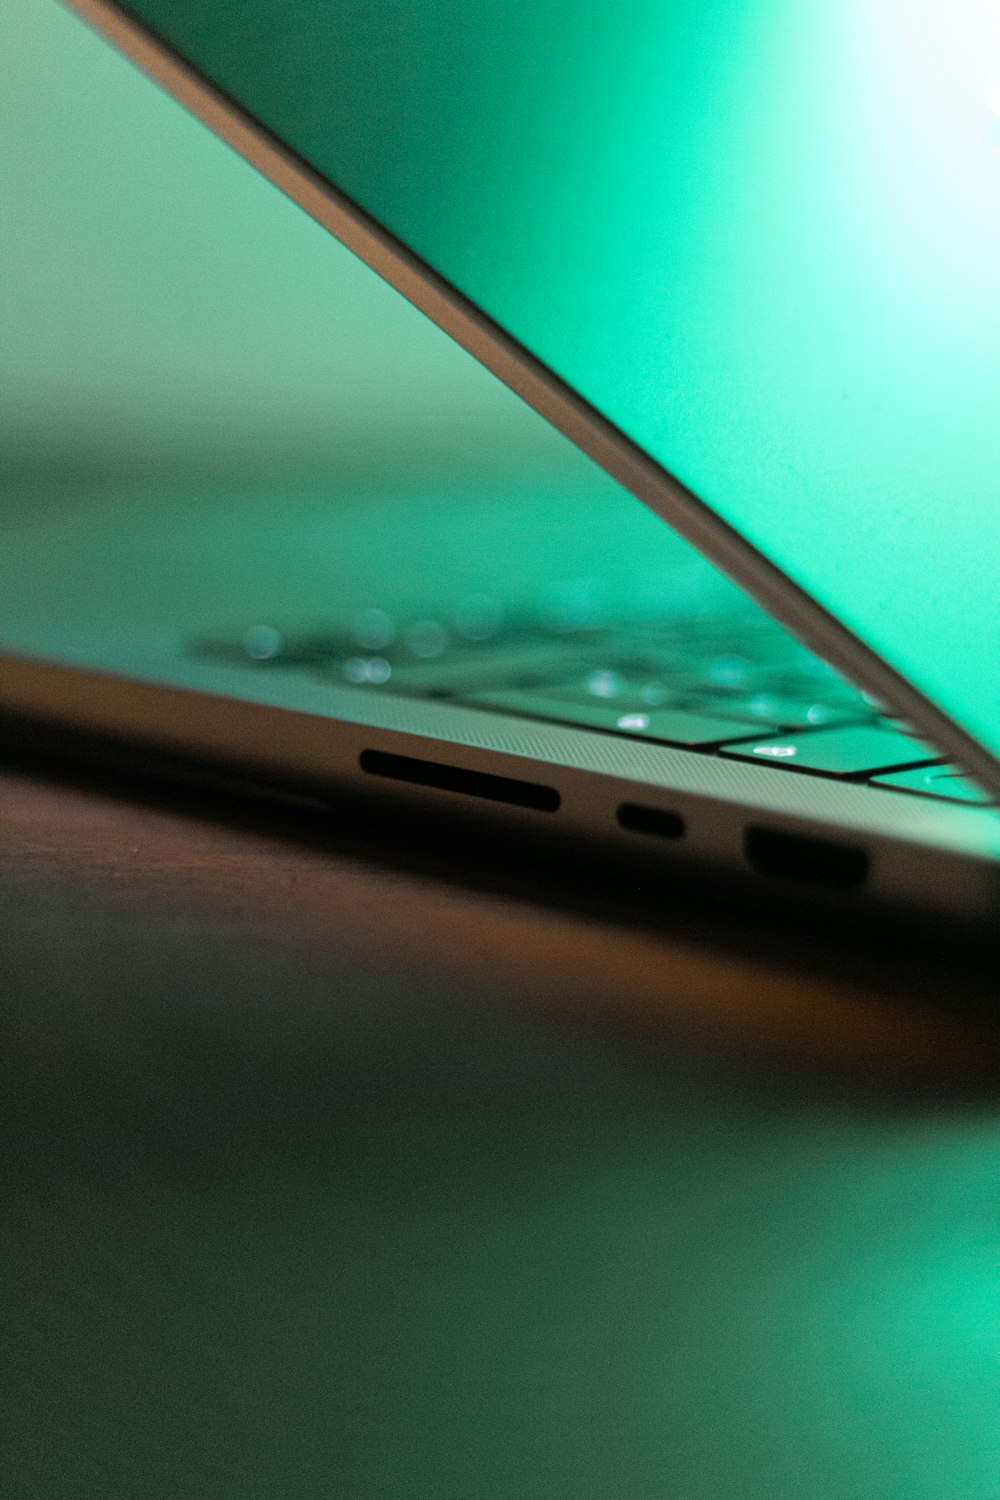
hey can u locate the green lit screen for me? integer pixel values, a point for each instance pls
(762, 238)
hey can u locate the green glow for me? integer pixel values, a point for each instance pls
(165, 312)
(763, 238)
(204, 393)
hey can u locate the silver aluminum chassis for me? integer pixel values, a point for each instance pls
(280, 727)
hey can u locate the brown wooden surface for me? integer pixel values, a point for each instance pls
(338, 1160)
(827, 992)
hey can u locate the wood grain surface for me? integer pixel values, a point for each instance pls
(345, 1158)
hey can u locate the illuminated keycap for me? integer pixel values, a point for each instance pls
(671, 726)
(858, 751)
(936, 781)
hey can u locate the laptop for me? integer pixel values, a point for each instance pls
(745, 260)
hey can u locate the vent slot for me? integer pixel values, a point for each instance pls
(797, 859)
(655, 821)
(456, 779)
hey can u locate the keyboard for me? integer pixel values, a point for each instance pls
(737, 686)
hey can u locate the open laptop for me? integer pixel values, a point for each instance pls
(743, 261)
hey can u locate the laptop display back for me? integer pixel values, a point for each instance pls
(759, 239)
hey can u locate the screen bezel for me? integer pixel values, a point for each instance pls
(529, 378)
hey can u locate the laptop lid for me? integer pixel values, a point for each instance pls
(744, 253)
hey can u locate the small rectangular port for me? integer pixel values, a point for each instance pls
(797, 859)
(655, 821)
(444, 778)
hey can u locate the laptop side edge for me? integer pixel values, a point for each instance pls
(540, 388)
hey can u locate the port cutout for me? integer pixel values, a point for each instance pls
(444, 778)
(654, 821)
(797, 859)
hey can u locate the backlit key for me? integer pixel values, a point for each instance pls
(936, 781)
(672, 726)
(858, 751)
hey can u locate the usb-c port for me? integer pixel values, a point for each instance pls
(655, 821)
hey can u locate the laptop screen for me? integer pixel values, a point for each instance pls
(761, 237)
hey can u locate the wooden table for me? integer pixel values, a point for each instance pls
(343, 1158)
